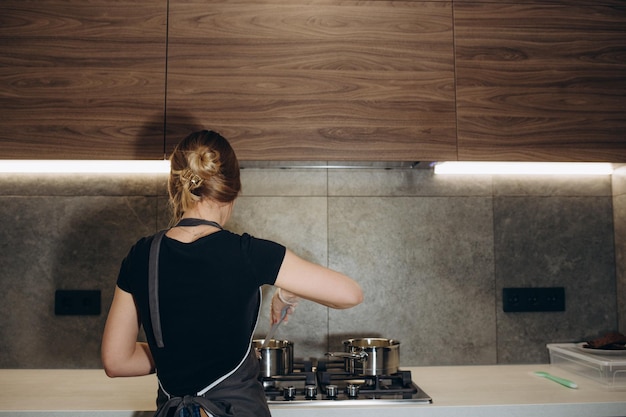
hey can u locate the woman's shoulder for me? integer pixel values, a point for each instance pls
(142, 244)
(252, 239)
(260, 247)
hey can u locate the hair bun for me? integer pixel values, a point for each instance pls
(204, 162)
(210, 162)
(203, 165)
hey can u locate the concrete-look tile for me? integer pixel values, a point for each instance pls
(161, 185)
(573, 185)
(283, 182)
(554, 242)
(422, 247)
(426, 267)
(619, 180)
(404, 182)
(164, 214)
(300, 224)
(619, 216)
(55, 243)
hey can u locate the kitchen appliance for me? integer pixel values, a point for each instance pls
(275, 356)
(370, 356)
(326, 382)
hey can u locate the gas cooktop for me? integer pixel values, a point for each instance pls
(329, 385)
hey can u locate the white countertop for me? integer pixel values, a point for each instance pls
(498, 390)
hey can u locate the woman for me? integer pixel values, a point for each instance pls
(195, 289)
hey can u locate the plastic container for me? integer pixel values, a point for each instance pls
(607, 369)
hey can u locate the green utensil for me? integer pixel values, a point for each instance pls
(565, 382)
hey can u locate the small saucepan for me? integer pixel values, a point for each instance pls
(276, 358)
(370, 356)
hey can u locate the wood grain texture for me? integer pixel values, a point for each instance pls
(82, 79)
(550, 2)
(321, 80)
(541, 82)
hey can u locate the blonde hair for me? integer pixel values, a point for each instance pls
(203, 165)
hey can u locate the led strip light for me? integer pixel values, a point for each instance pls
(523, 168)
(440, 168)
(85, 166)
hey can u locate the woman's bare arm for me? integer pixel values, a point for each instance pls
(122, 355)
(318, 283)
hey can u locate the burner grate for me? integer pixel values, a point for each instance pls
(308, 383)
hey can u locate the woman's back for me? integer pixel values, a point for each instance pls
(209, 300)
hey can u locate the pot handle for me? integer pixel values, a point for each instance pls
(360, 355)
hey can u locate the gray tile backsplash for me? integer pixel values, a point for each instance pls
(567, 242)
(431, 253)
(619, 215)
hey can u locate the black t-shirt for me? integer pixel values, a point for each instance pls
(209, 299)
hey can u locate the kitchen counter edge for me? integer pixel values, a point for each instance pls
(467, 391)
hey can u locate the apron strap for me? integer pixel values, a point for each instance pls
(153, 287)
(153, 274)
(198, 222)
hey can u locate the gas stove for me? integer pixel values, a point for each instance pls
(329, 384)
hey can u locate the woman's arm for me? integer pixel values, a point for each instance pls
(314, 282)
(122, 355)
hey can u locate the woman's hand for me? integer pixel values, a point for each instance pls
(280, 300)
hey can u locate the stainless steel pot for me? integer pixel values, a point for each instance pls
(370, 356)
(276, 358)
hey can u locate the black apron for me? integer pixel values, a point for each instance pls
(240, 394)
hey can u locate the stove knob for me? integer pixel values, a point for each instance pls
(289, 393)
(352, 390)
(310, 392)
(331, 391)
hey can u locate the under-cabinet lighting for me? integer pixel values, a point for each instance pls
(32, 166)
(523, 168)
(163, 167)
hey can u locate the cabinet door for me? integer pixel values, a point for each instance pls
(541, 81)
(82, 79)
(321, 80)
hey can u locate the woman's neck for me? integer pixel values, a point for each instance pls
(210, 210)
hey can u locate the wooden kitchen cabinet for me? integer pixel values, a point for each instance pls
(82, 79)
(541, 80)
(325, 80)
(322, 80)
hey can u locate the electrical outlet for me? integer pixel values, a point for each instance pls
(533, 299)
(77, 302)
